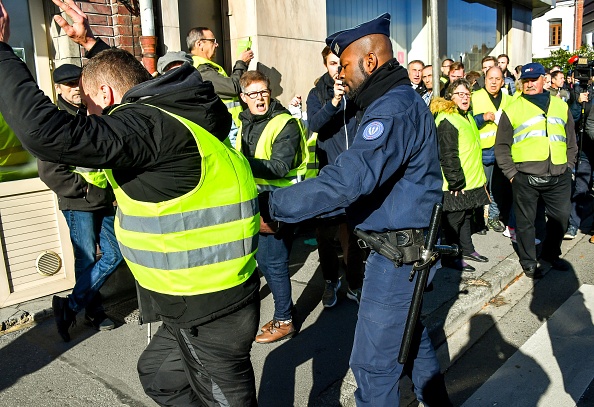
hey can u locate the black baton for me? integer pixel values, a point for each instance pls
(422, 268)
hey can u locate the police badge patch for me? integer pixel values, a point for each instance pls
(373, 130)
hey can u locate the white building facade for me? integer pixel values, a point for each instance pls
(554, 30)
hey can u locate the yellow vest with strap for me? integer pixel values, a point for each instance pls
(264, 152)
(93, 176)
(313, 164)
(201, 242)
(538, 135)
(15, 162)
(233, 104)
(469, 150)
(482, 103)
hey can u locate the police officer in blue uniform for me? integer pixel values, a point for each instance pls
(388, 182)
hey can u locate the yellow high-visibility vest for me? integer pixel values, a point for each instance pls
(538, 135)
(469, 150)
(15, 162)
(481, 103)
(313, 164)
(264, 152)
(203, 241)
(93, 176)
(233, 104)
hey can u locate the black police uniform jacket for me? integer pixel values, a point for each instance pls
(390, 178)
(153, 156)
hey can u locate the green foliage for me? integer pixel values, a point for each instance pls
(560, 57)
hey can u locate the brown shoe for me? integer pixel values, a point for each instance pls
(592, 239)
(267, 325)
(277, 331)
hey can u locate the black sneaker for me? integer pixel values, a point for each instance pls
(495, 225)
(100, 321)
(558, 263)
(534, 272)
(64, 316)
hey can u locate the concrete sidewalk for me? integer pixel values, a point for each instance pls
(312, 368)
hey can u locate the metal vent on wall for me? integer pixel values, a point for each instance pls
(48, 263)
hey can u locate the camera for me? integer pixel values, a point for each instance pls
(582, 70)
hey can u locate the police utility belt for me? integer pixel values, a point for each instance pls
(401, 246)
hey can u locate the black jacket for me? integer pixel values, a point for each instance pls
(286, 149)
(73, 191)
(225, 86)
(336, 125)
(153, 156)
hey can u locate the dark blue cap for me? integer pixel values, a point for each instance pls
(532, 71)
(66, 73)
(339, 41)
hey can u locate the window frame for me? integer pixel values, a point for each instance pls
(555, 33)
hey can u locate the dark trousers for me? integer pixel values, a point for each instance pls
(493, 208)
(583, 184)
(206, 366)
(502, 194)
(556, 198)
(329, 262)
(457, 229)
(385, 300)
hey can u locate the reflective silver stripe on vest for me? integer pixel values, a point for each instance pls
(557, 137)
(266, 187)
(556, 120)
(203, 256)
(528, 123)
(488, 134)
(533, 133)
(180, 222)
(84, 170)
(232, 104)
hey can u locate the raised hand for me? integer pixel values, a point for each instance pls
(4, 24)
(338, 91)
(80, 30)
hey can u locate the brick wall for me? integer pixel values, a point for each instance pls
(111, 20)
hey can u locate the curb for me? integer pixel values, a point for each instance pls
(475, 294)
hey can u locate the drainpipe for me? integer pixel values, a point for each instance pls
(435, 47)
(148, 41)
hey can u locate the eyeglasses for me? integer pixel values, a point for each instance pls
(214, 40)
(446, 66)
(462, 95)
(253, 95)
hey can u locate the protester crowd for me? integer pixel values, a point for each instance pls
(193, 154)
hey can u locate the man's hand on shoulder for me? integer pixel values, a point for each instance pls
(4, 24)
(80, 31)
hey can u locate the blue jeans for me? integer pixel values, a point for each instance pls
(582, 185)
(86, 230)
(273, 261)
(385, 302)
(493, 209)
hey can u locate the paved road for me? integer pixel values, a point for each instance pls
(99, 369)
(532, 346)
